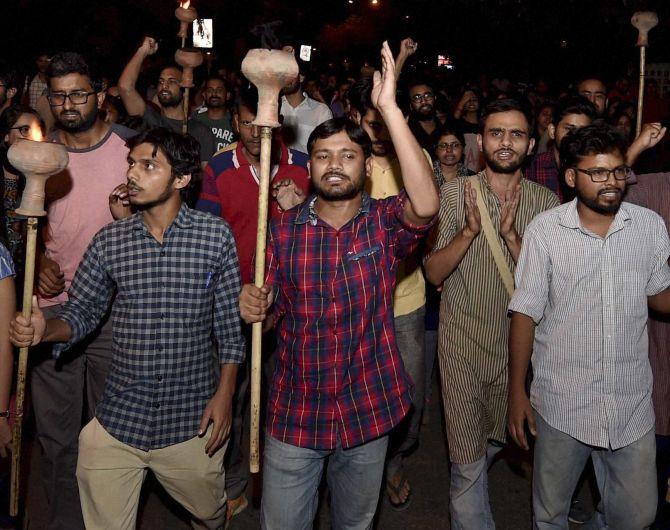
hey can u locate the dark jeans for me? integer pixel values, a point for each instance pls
(57, 390)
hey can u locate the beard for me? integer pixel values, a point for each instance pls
(215, 102)
(346, 191)
(74, 121)
(504, 166)
(425, 112)
(161, 199)
(593, 204)
(167, 99)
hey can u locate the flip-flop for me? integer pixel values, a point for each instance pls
(397, 490)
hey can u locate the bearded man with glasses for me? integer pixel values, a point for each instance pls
(422, 119)
(77, 202)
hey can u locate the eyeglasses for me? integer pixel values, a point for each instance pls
(76, 98)
(24, 130)
(602, 175)
(420, 97)
(452, 146)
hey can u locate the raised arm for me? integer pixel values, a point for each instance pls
(132, 99)
(417, 174)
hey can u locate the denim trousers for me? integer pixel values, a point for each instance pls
(469, 493)
(626, 479)
(410, 336)
(291, 477)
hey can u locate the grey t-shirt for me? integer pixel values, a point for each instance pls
(197, 129)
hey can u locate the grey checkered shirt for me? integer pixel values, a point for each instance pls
(172, 304)
(588, 295)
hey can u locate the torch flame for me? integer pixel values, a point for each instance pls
(185, 5)
(35, 133)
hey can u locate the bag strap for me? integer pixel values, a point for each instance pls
(492, 238)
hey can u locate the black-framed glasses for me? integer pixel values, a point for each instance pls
(79, 97)
(443, 146)
(420, 97)
(24, 130)
(601, 174)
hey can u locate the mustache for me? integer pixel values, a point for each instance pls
(609, 190)
(334, 174)
(133, 187)
(505, 151)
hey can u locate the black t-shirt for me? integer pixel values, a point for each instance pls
(202, 133)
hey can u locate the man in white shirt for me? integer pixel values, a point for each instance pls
(302, 115)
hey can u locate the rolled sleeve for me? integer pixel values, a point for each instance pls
(227, 326)
(406, 235)
(89, 297)
(533, 273)
(659, 279)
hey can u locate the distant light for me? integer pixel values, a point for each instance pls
(351, 1)
(374, 2)
(564, 43)
(406, 17)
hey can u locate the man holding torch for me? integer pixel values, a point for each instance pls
(172, 274)
(339, 386)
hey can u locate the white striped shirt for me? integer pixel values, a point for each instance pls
(588, 297)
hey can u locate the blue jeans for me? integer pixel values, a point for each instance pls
(469, 493)
(291, 477)
(626, 479)
(409, 331)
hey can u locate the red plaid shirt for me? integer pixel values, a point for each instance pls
(544, 170)
(339, 375)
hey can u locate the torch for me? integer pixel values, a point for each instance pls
(186, 14)
(188, 59)
(644, 21)
(37, 160)
(270, 71)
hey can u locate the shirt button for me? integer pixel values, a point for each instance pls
(157, 405)
(162, 316)
(159, 378)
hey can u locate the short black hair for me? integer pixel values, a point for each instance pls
(574, 105)
(447, 129)
(248, 98)
(507, 105)
(66, 63)
(11, 115)
(595, 139)
(217, 78)
(360, 95)
(182, 152)
(336, 125)
(8, 76)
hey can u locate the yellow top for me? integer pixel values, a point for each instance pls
(410, 290)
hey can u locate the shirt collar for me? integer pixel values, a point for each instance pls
(569, 218)
(183, 219)
(306, 211)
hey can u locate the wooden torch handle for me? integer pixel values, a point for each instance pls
(31, 244)
(640, 95)
(184, 124)
(259, 280)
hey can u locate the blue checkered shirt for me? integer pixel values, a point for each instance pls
(172, 304)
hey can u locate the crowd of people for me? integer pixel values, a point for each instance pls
(418, 228)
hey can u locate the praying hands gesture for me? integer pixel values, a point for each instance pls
(508, 209)
(473, 221)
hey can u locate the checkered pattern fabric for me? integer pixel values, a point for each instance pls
(339, 375)
(171, 302)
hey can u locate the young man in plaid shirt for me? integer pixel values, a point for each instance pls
(339, 386)
(173, 276)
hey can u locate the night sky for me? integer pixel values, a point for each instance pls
(521, 39)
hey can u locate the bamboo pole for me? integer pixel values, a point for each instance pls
(259, 280)
(31, 244)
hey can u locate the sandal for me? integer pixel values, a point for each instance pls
(397, 490)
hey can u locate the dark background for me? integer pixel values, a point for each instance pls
(520, 39)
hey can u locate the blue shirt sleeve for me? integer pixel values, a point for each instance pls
(6, 263)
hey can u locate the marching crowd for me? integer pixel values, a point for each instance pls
(516, 236)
